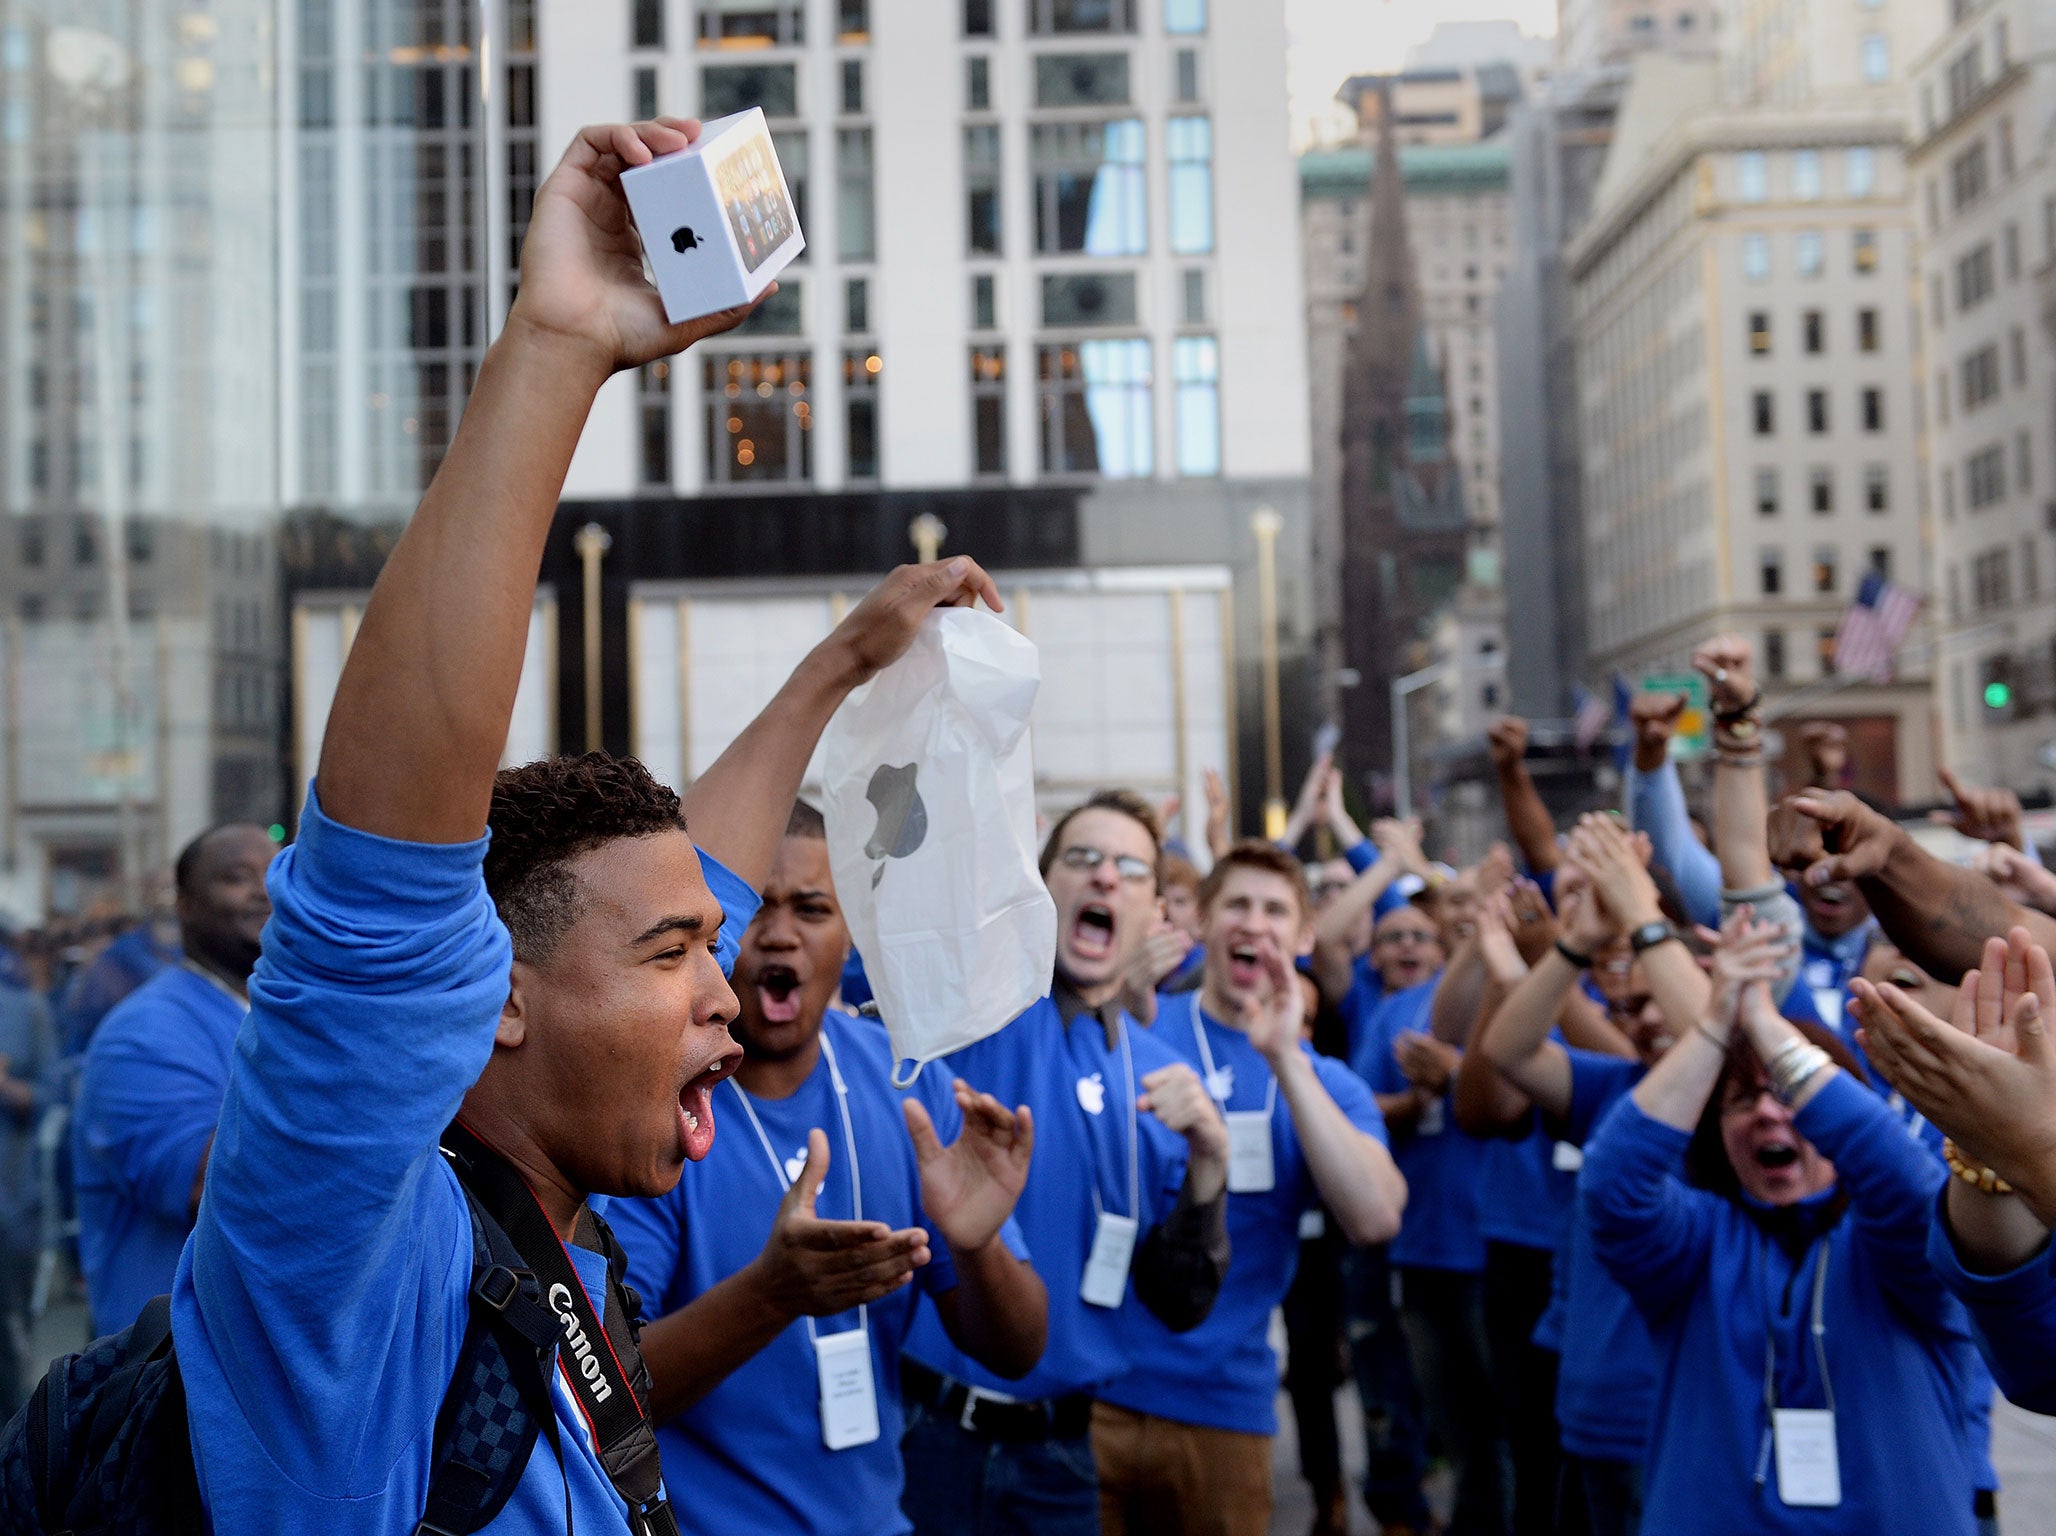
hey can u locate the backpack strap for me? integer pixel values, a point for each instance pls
(498, 1399)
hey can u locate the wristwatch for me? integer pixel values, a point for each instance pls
(1649, 935)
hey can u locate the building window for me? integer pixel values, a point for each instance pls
(981, 187)
(860, 369)
(1824, 651)
(1081, 80)
(653, 394)
(1860, 171)
(1807, 252)
(1816, 411)
(1752, 176)
(1824, 569)
(1096, 408)
(852, 87)
(2023, 462)
(1876, 53)
(856, 222)
(984, 302)
(645, 92)
(1770, 572)
(1190, 144)
(1756, 258)
(989, 410)
(758, 24)
(646, 24)
(856, 305)
(1195, 295)
(1980, 377)
(1866, 330)
(1763, 410)
(977, 18)
(1873, 403)
(1767, 492)
(1936, 312)
(1196, 380)
(1759, 333)
(2016, 345)
(1774, 654)
(1806, 174)
(1974, 277)
(730, 88)
(1184, 15)
(1090, 193)
(1876, 488)
(853, 22)
(2012, 246)
(978, 84)
(1881, 560)
(1984, 477)
(1863, 251)
(1187, 63)
(1057, 17)
(1991, 584)
(34, 545)
(1814, 324)
(1821, 489)
(759, 420)
(1969, 177)
(1089, 298)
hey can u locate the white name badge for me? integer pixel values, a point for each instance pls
(1431, 1119)
(1106, 1267)
(849, 1395)
(1250, 1170)
(1809, 1469)
(1566, 1157)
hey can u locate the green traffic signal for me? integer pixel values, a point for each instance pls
(1997, 695)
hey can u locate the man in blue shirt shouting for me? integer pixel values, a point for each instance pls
(563, 1000)
(784, 1256)
(1183, 1440)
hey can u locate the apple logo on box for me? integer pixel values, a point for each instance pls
(683, 239)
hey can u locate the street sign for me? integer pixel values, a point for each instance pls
(1694, 735)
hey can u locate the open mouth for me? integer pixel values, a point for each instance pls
(1245, 967)
(778, 994)
(696, 1109)
(1092, 931)
(1831, 896)
(1777, 1156)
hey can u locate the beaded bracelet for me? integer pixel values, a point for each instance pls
(1974, 1174)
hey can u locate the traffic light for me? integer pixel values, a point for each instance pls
(1998, 695)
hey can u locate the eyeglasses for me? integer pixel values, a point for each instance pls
(1405, 936)
(1131, 869)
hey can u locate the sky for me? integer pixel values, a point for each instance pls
(1330, 40)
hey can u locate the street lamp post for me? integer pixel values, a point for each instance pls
(1404, 688)
(1265, 523)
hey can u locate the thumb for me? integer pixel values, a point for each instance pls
(927, 1145)
(1951, 783)
(806, 1189)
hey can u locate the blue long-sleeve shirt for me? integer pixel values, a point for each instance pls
(1716, 1286)
(2014, 1315)
(1656, 805)
(321, 1302)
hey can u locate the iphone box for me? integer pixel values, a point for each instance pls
(717, 220)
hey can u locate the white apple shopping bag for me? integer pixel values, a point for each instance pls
(930, 803)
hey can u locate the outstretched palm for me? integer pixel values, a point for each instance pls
(968, 1188)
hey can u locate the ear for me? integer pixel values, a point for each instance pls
(1305, 944)
(513, 1029)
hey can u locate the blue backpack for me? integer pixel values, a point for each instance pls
(102, 1446)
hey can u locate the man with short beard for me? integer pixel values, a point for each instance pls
(864, 1220)
(1127, 1205)
(151, 1089)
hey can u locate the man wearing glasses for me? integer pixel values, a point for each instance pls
(1127, 1204)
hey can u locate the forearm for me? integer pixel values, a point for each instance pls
(1454, 1010)
(1400, 1110)
(1332, 927)
(1938, 915)
(738, 808)
(1677, 1087)
(1992, 1234)
(1528, 819)
(998, 1312)
(1656, 804)
(1520, 1026)
(1357, 1179)
(1181, 1263)
(1680, 988)
(1585, 1025)
(1486, 1102)
(692, 1351)
(420, 714)
(1741, 819)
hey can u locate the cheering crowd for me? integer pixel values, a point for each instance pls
(515, 1157)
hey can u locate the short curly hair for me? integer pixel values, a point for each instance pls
(545, 814)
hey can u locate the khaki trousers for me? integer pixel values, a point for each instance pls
(1158, 1477)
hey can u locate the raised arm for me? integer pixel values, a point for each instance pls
(1516, 1038)
(1741, 807)
(1527, 818)
(1615, 864)
(1399, 851)
(1488, 1100)
(1656, 805)
(420, 713)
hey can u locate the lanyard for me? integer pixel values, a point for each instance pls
(1820, 1354)
(1134, 1163)
(849, 1147)
(1206, 1057)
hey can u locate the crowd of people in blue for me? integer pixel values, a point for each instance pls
(1648, 1174)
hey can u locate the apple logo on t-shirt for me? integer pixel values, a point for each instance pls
(1092, 1094)
(794, 1164)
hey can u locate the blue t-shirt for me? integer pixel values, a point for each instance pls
(1441, 1161)
(750, 1451)
(322, 1301)
(148, 1102)
(1223, 1374)
(1078, 1091)
(2014, 1314)
(1523, 1197)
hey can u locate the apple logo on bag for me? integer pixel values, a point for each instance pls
(683, 239)
(1092, 1094)
(902, 818)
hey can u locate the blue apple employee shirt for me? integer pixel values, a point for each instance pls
(322, 1300)
(1224, 1374)
(749, 1456)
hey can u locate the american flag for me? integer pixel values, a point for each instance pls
(1871, 630)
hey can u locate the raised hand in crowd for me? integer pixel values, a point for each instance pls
(1220, 834)
(1827, 753)
(1177, 1097)
(1156, 959)
(1989, 815)
(811, 1267)
(1429, 1064)
(1614, 863)
(1307, 808)
(1531, 924)
(1527, 818)
(1399, 853)
(1654, 717)
(1987, 1077)
(1335, 813)
(2019, 878)
(969, 1188)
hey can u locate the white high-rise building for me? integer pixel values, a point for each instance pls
(1983, 166)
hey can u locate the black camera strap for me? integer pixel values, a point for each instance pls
(600, 1359)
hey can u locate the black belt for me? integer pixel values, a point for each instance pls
(995, 1418)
